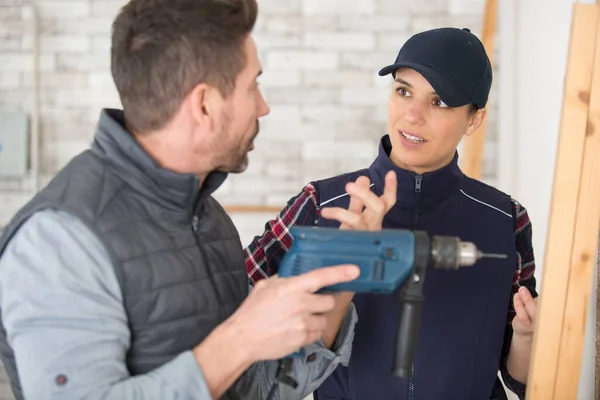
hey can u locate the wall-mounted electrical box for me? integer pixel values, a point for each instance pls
(14, 144)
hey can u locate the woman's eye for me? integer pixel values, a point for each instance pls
(402, 91)
(439, 103)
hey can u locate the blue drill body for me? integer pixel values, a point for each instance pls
(385, 258)
(388, 260)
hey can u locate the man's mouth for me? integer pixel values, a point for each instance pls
(412, 138)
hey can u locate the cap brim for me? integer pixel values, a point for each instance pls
(451, 95)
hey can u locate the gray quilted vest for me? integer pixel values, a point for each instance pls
(176, 253)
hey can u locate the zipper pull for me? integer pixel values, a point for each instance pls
(418, 183)
(195, 223)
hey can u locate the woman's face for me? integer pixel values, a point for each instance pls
(424, 132)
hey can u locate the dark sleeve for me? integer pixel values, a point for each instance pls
(524, 276)
(266, 251)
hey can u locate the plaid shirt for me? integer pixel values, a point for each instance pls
(265, 253)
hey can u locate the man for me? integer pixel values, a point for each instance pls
(441, 85)
(123, 278)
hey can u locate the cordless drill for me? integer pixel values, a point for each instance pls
(387, 259)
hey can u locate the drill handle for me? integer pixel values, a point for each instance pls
(406, 339)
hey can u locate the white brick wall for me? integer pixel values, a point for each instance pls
(320, 59)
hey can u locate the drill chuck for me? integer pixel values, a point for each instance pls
(449, 252)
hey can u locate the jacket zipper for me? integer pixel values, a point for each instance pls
(418, 188)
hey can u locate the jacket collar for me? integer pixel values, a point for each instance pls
(429, 188)
(171, 190)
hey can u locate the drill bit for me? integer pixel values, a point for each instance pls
(492, 255)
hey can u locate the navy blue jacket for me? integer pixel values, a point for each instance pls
(464, 316)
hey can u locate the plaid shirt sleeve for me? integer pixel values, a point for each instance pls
(265, 252)
(524, 276)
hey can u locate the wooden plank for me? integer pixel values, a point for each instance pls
(253, 209)
(584, 248)
(563, 209)
(597, 366)
(472, 157)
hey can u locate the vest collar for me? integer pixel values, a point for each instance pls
(172, 190)
(429, 188)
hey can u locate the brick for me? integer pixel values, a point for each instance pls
(335, 149)
(462, 7)
(23, 62)
(275, 149)
(356, 162)
(13, 29)
(10, 80)
(320, 169)
(337, 7)
(62, 9)
(265, 41)
(302, 95)
(81, 98)
(84, 119)
(301, 131)
(284, 113)
(52, 80)
(392, 42)
(342, 78)
(424, 23)
(361, 131)
(281, 24)
(287, 169)
(408, 7)
(277, 7)
(374, 23)
(339, 40)
(66, 129)
(306, 60)
(365, 97)
(10, 44)
(334, 113)
(297, 25)
(59, 43)
(96, 61)
(265, 184)
(373, 61)
(62, 151)
(101, 80)
(8, 13)
(280, 78)
(92, 25)
(101, 44)
(107, 8)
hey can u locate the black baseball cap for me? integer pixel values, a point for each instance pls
(453, 61)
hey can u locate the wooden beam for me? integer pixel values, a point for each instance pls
(584, 247)
(472, 157)
(550, 352)
(253, 209)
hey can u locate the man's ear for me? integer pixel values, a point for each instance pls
(200, 103)
(475, 121)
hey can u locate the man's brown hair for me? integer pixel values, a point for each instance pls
(162, 49)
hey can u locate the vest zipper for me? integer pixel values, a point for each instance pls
(195, 223)
(418, 179)
(418, 183)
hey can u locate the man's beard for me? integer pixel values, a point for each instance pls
(237, 160)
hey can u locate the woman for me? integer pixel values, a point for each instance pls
(442, 80)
